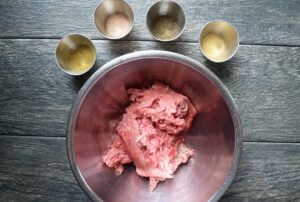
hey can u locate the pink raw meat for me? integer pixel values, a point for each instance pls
(151, 133)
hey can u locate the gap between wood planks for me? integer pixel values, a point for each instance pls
(127, 40)
(64, 138)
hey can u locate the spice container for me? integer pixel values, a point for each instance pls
(218, 41)
(75, 54)
(165, 20)
(113, 19)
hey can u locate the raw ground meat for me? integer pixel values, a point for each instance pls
(151, 133)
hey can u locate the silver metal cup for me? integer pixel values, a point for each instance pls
(218, 41)
(166, 8)
(75, 54)
(108, 8)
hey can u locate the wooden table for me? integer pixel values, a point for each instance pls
(36, 96)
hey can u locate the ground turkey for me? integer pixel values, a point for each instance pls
(151, 133)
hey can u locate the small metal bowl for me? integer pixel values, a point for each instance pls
(65, 54)
(166, 8)
(108, 8)
(218, 41)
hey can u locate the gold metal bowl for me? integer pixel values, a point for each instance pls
(218, 41)
(75, 54)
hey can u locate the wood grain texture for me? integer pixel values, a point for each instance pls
(258, 22)
(37, 169)
(267, 172)
(36, 96)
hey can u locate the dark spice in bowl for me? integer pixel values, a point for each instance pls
(164, 27)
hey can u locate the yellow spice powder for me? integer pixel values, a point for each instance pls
(213, 46)
(80, 59)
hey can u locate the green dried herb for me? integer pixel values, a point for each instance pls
(164, 27)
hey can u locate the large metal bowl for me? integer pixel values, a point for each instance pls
(215, 135)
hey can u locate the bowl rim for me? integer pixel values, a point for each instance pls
(154, 54)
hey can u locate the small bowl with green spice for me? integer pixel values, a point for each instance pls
(165, 20)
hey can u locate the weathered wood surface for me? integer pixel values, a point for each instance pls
(37, 169)
(36, 96)
(258, 22)
(267, 172)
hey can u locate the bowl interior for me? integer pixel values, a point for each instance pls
(212, 134)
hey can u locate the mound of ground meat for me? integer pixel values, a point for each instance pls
(151, 133)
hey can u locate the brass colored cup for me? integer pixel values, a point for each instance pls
(226, 33)
(67, 46)
(168, 8)
(110, 7)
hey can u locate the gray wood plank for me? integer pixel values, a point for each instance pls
(267, 172)
(36, 96)
(258, 22)
(37, 169)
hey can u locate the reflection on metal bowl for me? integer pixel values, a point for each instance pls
(215, 135)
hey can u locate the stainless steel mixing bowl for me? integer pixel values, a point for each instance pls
(215, 135)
